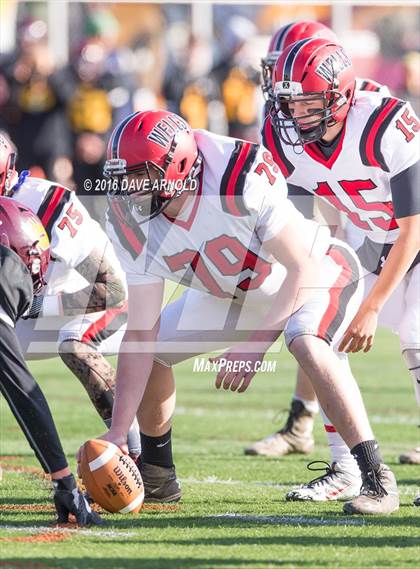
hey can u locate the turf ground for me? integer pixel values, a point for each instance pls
(233, 512)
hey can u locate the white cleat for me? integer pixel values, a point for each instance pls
(335, 484)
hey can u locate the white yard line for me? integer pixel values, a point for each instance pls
(276, 416)
(292, 520)
(403, 490)
(230, 482)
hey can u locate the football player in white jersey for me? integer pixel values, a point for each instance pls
(212, 213)
(82, 308)
(296, 436)
(359, 152)
(288, 35)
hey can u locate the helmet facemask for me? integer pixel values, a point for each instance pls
(297, 130)
(7, 177)
(144, 198)
(35, 266)
(32, 257)
(267, 66)
(135, 188)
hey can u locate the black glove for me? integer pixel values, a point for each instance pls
(69, 500)
(35, 308)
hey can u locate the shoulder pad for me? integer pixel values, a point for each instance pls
(234, 178)
(273, 144)
(373, 132)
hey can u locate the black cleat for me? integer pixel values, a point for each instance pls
(160, 483)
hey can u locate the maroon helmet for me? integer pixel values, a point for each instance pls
(7, 165)
(22, 231)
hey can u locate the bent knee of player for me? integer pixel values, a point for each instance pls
(303, 347)
(68, 349)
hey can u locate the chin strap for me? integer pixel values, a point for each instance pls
(22, 177)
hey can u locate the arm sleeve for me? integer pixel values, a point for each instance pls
(28, 404)
(405, 191)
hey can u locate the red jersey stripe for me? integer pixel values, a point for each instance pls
(53, 202)
(370, 141)
(335, 292)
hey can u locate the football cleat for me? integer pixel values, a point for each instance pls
(294, 438)
(68, 499)
(335, 484)
(378, 495)
(160, 483)
(410, 457)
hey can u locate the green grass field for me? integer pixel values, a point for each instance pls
(233, 513)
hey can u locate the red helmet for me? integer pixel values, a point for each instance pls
(285, 36)
(160, 147)
(22, 231)
(311, 71)
(7, 165)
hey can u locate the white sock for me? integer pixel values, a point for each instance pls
(340, 452)
(311, 406)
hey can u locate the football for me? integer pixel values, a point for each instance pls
(111, 477)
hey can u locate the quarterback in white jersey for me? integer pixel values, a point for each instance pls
(362, 159)
(296, 436)
(359, 152)
(212, 213)
(83, 305)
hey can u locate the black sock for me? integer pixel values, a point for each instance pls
(157, 450)
(367, 455)
(66, 483)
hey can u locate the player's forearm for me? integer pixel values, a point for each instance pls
(133, 371)
(399, 260)
(100, 297)
(105, 290)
